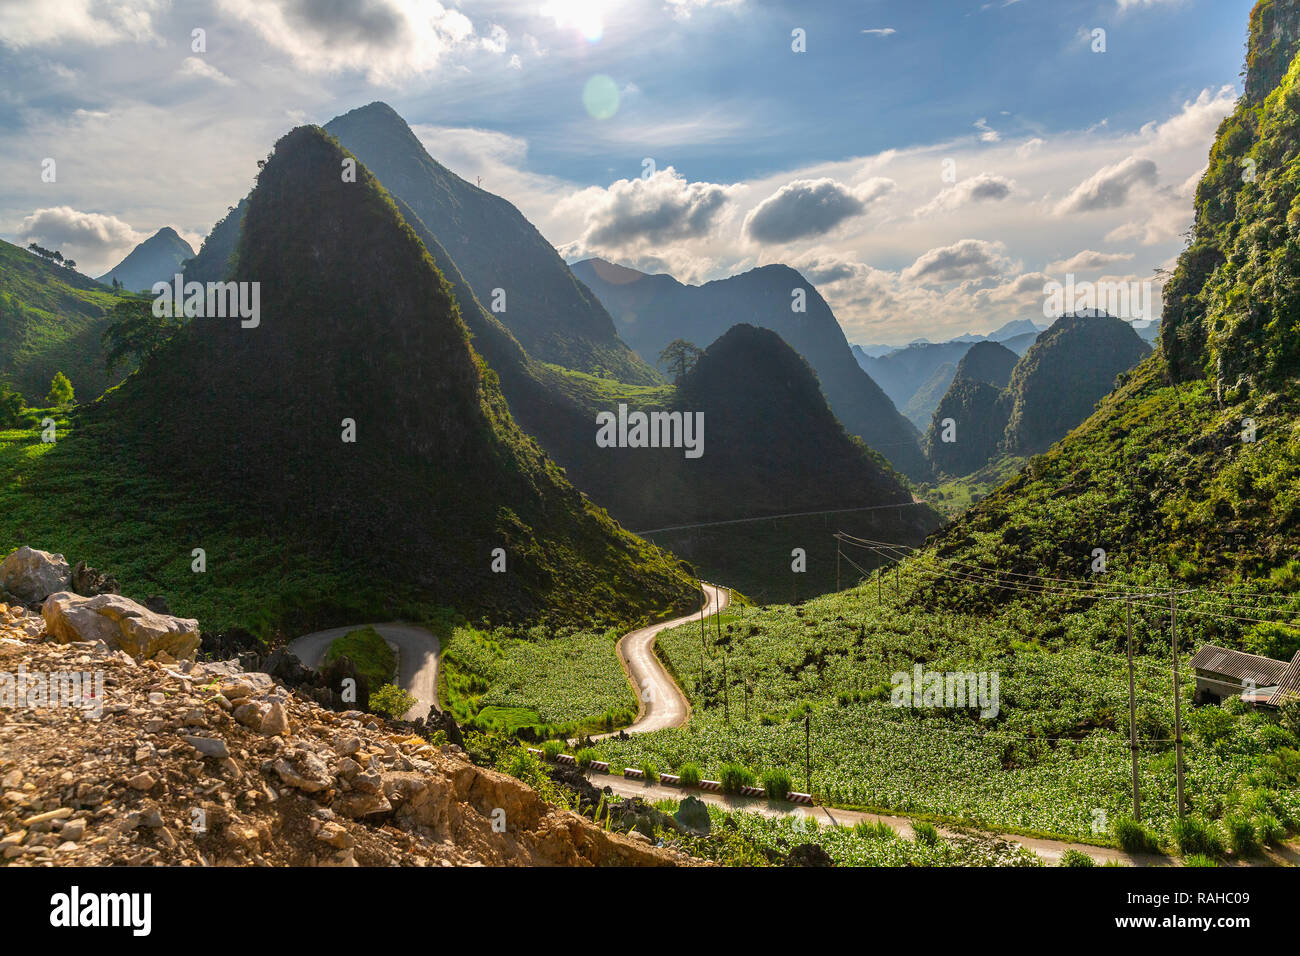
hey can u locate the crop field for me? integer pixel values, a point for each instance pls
(561, 683)
(1053, 759)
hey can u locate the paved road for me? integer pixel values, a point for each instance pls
(417, 659)
(661, 702)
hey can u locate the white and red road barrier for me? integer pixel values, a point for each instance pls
(748, 791)
(599, 766)
(633, 773)
(712, 786)
(804, 798)
(566, 759)
(671, 779)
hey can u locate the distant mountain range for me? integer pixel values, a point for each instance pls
(653, 310)
(158, 259)
(1000, 405)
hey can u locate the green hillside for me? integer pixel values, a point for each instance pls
(51, 319)
(239, 433)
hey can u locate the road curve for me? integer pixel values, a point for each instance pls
(661, 702)
(417, 658)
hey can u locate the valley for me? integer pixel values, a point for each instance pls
(435, 485)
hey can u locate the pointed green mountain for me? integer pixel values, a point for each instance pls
(157, 259)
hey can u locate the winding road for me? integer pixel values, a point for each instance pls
(660, 702)
(417, 658)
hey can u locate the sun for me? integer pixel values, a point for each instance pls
(586, 16)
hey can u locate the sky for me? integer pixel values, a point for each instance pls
(930, 165)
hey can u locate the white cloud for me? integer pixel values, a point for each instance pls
(196, 66)
(987, 133)
(660, 208)
(1088, 260)
(985, 187)
(78, 234)
(387, 40)
(35, 23)
(962, 260)
(1109, 187)
(811, 207)
(881, 31)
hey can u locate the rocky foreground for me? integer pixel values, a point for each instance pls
(183, 763)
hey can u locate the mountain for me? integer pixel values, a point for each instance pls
(653, 310)
(51, 320)
(357, 428)
(158, 259)
(873, 351)
(987, 362)
(926, 399)
(554, 317)
(1020, 343)
(1058, 381)
(973, 414)
(903, 371)
(1179, 471)
(1012, 329)
(214, 260)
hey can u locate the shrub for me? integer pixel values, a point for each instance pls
(391, 701)
(925, 833)
(1195, 836)
(880, 830)
(689, 775)
(1133, 837)
(651, 771)
(1242, 835)
(1269, 828)
(1199, 859)
(587, 756)
(1076, 858)
(777, 784)
(552, 749)
(734, 776)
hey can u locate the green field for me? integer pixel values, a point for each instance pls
(369, 652)
(1055, 758)
(558, 683)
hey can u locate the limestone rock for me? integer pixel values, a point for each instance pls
(33, 575)
(121, 623)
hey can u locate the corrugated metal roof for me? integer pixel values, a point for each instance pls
(1288, 686)
(1239, 665)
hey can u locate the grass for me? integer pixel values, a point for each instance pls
(542, 681)
(369, 652)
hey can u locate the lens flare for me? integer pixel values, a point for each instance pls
(585, 16)
(600, 96)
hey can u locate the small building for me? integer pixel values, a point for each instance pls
(1222, 672)
(1288, 686)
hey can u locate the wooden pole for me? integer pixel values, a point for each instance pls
(837, 563)
(807, 752)
(1132, 713)
(1178, 708)
(726, 685)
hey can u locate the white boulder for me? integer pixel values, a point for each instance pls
(121, 623)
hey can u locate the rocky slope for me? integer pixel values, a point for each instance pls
(200, 764)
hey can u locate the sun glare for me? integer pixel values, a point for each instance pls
(586, 16)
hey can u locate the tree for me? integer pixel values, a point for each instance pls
(60, 391)
(679, 357)
(12, 406)
(136, 332)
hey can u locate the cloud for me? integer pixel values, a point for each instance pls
(196, 66)
(31, 23)
(881, 31)
(1088, 260)
(387, 40)
(811, 207)
(682, 9)
(85, 233)
(1109, 187)
(964, 259)
(660, 208)
(982, 188)
(987, 133)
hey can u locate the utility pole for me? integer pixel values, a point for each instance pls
(726, 684)
(706, 604)
(837, 562)
(1132, 713)
(807, 752)
(1178, 707)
